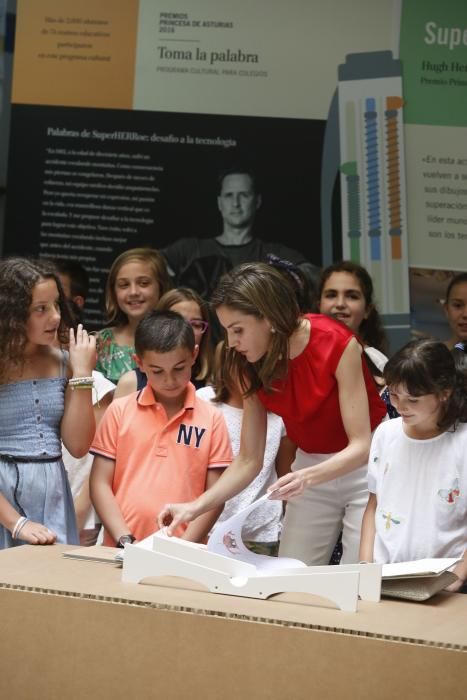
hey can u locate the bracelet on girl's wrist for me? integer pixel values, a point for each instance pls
(20, 523)
(81, 380)
(19, 530)
(81, 383)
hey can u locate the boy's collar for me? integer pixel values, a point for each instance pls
(146, 396)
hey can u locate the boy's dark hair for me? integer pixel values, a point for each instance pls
(163, 331)
(79, 278)
(426, 366)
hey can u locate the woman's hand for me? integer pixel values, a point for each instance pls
(82, 352)
(36, 533)
(288, 486)
(174, 514)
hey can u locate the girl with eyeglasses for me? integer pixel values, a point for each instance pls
(193, 308)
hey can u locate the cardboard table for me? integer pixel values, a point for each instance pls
(71, 629)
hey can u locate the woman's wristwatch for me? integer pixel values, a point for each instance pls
(125, 539)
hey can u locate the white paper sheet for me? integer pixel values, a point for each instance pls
(418, 567)
(226, 539)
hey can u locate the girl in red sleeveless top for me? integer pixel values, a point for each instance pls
(308, 369)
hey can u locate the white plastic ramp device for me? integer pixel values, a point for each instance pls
(226, 538)
(225, 565)
(160, 555)
(369, 586)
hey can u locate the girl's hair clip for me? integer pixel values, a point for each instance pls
(286, 265)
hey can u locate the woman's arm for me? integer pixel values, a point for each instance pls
(367, 538)
(103, 498)
(246, 465)
(78, 424)
(353, 403)
(199, 529)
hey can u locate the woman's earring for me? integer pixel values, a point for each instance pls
(273, 330)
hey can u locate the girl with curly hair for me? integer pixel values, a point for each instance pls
(40, 404)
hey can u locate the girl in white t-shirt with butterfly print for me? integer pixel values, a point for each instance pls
(417, 475)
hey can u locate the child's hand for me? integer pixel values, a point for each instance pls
(36, 533)
(456, 586)
(461, 572)
(82, 352)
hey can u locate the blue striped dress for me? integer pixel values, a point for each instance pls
(30, 414)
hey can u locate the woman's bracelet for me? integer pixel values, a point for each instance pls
(20, 523)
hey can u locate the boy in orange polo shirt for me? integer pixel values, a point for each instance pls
(160, 444)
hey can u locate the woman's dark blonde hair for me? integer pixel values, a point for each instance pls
(259, 290)
(203, 366)
(158, 265)
(18, 277)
